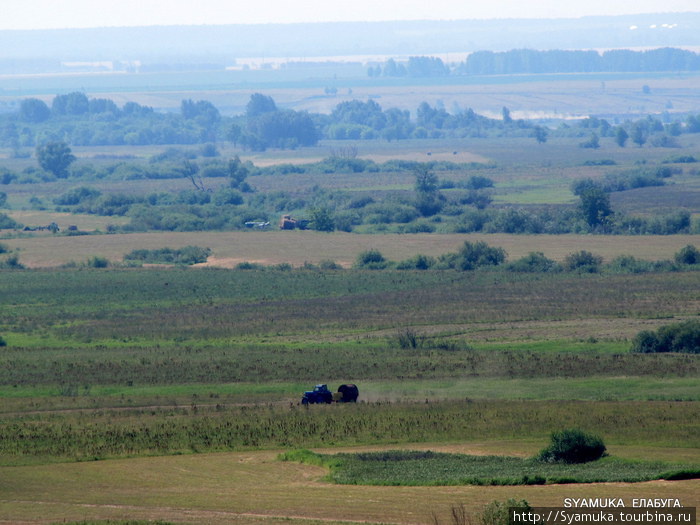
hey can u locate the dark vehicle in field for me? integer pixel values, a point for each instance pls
(321, 394)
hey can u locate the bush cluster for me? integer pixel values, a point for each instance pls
(187, 255)
(572, 446)
(679, 337)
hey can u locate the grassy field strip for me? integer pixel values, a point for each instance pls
(589, 388)
(218, 488)
(297, 247)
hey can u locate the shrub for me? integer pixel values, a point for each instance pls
(97, 262)
(11, 263)
(77, 196)
(688, 255)
(371, 260)
(534, 262)
(497, 513)
(409, 338)
(327, 264)
(417, 262)
(477, 182)
(186, 255)
(679, 337)
(572, 446)
(629, 264)
(246, 265)
(583, 262)
(6, 222)
(2, 341)
(474, 255)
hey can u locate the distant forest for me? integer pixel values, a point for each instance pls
(78, 120)
(530, 61)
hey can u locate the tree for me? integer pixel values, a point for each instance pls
(427, 196)
(621, 136)
(595, 205)
(593, 142)
(34, 110)
(507, 119)
(55, 157)
(426, 180)
(234, 134)
(322, 220)
(540, 134)
(75, 103)
(259, 104)
(639, 134)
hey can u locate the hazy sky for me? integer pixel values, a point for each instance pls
(42, 14)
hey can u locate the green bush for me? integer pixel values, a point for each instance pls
(572, 446)
(371, 260)
(11, 262)
(474, 255)
(417, 262)
(185, 255)
(629, 264)
(409, 338)
(327, 264)
(2, 341)
(583, 262)
(688, 255)
(97, 262)
(534, 262)
(496, 512)
(679, 337)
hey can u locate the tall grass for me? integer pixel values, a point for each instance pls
(111, 433)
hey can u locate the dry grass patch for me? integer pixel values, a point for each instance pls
(297, 247)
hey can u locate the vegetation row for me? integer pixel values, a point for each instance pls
(112, 433)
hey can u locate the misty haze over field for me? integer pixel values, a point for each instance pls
(227, 43)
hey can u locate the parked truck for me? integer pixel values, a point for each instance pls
(347, 393)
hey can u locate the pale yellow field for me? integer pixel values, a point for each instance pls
(253, 487)
(297, 247)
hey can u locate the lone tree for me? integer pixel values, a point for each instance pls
(427, 195)
(55, 157)
(595, 206)
(540, 133)
(621, 136)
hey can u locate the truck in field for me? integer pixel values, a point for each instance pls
(347, 393)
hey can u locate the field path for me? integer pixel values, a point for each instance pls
(254, 487)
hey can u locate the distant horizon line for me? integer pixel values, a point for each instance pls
(332, 22)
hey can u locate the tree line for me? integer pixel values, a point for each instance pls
(78, 120)
(532, 61)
